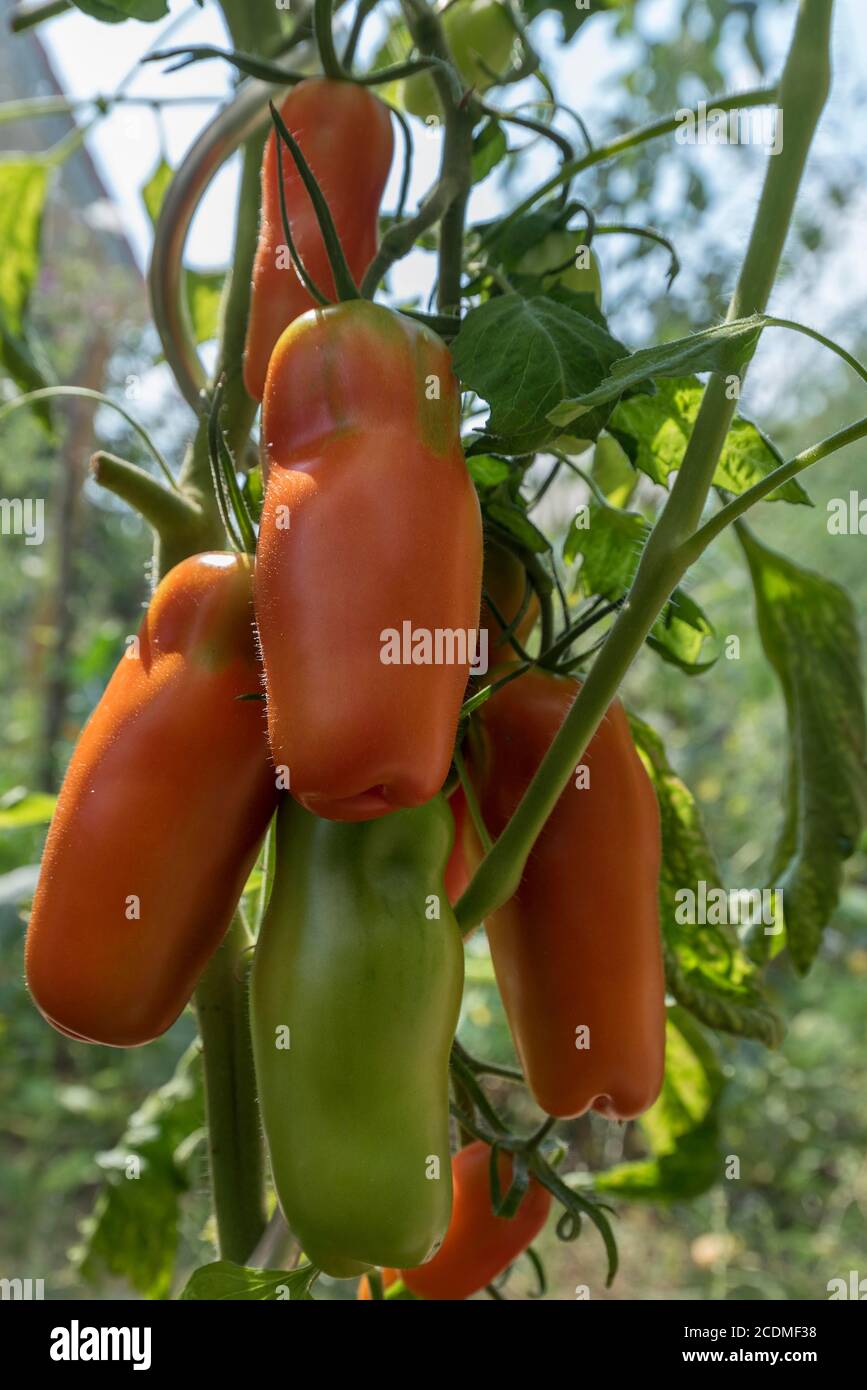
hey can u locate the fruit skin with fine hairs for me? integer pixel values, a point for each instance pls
(346, 136)
(370, 528)
(160, 817)
(577, 950)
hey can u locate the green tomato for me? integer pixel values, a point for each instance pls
(555, 250)
(480, 34)
(355, 994)
(612, 472)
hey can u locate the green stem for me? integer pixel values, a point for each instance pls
(237, 1165)
(322, 25)
(362, 9)
(457, 156)
(472, 801)
(400, 239)
(343, 282)
(760, 96)
(542, 128)
(858, 367)
(177, 521)
(457, 167)
(738, 506)
(45, 393)
(803, 91)
(26, 16)
(240, 409)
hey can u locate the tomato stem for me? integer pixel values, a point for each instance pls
(331, 64)
(237, 1162)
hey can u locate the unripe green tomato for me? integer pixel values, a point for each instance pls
(555, 250)
(477, 32)
(612, 472)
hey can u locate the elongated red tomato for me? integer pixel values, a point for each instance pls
(345, 134)
(162, 811)
(577, 950)
(479, 1245)
(368, 568)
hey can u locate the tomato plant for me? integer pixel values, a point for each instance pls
(382, 696)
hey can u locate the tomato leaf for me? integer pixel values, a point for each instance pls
(223, 1280)
(809, 632)
(489, 148)
(204, 291)
(116, 11)
(725, 348)
(19, 808)
(660, 426)
(154, 190)
(610, 541)
(707, 968)
(523, 356)
(133, 1231)
(684, 636)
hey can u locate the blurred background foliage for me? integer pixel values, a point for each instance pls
(796, 1119)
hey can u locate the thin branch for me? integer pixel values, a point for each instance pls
(399, 240)
(166, 509)
(736, 508)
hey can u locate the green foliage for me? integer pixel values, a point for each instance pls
(18, 808)
(725, 349)
(524, 357)
(682, 1128)
(810, 636)
(156, 187)
(116, 11)
(134, 1227)
(489, 149)
(798, 1116)
(23, 189)
(707, 970)
(204, 292)
(225, 1280)
(203, 289)
(658, 428)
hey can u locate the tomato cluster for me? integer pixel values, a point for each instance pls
(370, 541)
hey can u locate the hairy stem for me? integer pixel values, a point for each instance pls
(456, 169)
(237, 1162)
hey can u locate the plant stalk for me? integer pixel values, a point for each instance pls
(234, 1142)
